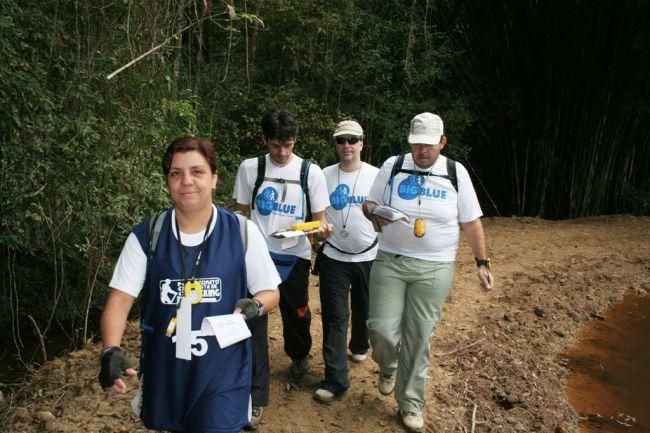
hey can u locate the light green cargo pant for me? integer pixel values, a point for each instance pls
(406, 298)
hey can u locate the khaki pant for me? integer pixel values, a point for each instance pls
(406, 298)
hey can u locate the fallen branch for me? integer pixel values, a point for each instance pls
(142, 56)
(40, 337)
(473, 418)
(462, 348)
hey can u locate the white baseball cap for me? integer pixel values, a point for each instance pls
(426, 128)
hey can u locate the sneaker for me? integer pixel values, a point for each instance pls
(358, 358)
(299, 368)
(256, 418)
(412, 420)
(386, 383)
(324, 395)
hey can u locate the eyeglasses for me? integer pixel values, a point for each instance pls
(351, 140)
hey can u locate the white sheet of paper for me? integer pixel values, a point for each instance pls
(288, 243)
(391, 214)
(288, 234)
(135, 403)
(229, 328)
(184, 330)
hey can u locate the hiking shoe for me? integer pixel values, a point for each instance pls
(386, 383)
(412, 420)
(324, 395)
(358, 358)
(256, 418)
(299, 368)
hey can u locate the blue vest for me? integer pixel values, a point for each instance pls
(173, 388)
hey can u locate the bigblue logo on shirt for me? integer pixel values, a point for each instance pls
(413, 186)
(410, 187)
(267, 202)
(341, 197)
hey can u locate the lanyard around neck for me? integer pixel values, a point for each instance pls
(345, 220)
(202, 246)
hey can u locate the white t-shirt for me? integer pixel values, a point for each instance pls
(439, 205)
(130, 270)
(280, 205)
(347, 192)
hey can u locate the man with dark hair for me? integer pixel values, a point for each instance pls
(278, 189)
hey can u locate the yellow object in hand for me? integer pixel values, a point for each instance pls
(311, 225)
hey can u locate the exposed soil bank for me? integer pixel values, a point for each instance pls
(497, 364)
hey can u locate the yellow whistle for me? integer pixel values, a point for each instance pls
(194, 291)
(311, 225)
(171, 327)
(418, 229)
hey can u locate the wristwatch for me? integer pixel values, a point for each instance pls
(483, 262)
(260, 307)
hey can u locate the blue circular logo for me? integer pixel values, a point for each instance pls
(409, 188)
(340, 197)
(265, 201)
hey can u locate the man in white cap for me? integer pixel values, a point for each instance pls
(345, 259)
(413, 272)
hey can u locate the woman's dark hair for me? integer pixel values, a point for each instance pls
(188, 144)
(279, 124)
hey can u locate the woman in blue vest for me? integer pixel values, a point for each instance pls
(204, 265)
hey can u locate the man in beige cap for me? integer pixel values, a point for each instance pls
(345, 259)
(414, 269)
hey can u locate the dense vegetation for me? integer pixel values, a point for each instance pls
(545, 102)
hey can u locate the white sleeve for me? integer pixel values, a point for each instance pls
(260, 270)
(378, 190)
(318, 194)
(469, 207)
(131, 268)
(242, 190)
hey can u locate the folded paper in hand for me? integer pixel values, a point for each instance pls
(390, 213)
(229, 329)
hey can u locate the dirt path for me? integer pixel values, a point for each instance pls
(498, 361)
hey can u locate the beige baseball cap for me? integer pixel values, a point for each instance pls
(348, 127)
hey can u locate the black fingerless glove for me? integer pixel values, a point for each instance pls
(251, 308)
(113, 365)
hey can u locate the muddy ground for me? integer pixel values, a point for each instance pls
(498, 363)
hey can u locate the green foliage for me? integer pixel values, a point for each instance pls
(549, 122)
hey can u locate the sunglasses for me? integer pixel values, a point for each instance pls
(351, 140)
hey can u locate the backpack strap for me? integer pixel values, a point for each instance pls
(156, 222)
(397, 167)
(451, 173)
(304, 184)
(155, 225)
(303, 181)
(261, 171)
(243, 230)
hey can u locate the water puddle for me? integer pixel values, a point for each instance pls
(610, 382)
